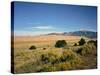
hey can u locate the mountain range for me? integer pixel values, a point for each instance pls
(89, 34)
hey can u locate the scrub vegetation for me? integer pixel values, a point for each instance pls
(56, 55)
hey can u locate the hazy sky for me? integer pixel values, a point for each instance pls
(37, 18)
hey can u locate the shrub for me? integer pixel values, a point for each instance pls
(52, 62)
(93, 42)
(69, 55)
(66, 56)
(44, 48)
(86, 49)
(53, 58)
(75, 44)
(32, 47)
(49, 58)
(45, 58)
(60, 43)
(79, 51)
(63, 66)
(47, 68)
(68, 60)
(82, 41)
(27, 67)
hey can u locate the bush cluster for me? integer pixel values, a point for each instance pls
(93, 42)
(32, 47)
(75, 44)
(82, 42)
(53, 62)
(60, 43)
(86, 49)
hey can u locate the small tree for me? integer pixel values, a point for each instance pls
(60, 43)
(82, 41)
(32, 47)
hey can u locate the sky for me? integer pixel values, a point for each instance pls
(41, 18)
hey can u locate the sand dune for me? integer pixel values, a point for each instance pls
(46, 38)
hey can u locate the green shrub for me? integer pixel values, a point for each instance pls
(69, 55)
(25, 68)
(63, 66)
(50, 57)
(82, 42)
(45, 58)
(79, 51)
(53, 58)
(50, 61)
(68, 60)
(86, 49)
(32, 47)
(60, 43)
(47, 68)
(66, 56)
(93, 42)
(75, 44)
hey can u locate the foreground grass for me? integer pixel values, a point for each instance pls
(54, 59)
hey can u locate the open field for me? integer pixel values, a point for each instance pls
(46, 57)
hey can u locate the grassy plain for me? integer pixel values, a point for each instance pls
(51, 58)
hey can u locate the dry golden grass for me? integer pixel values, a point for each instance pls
(26, 60)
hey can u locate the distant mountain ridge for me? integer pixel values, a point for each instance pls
(89, 34)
